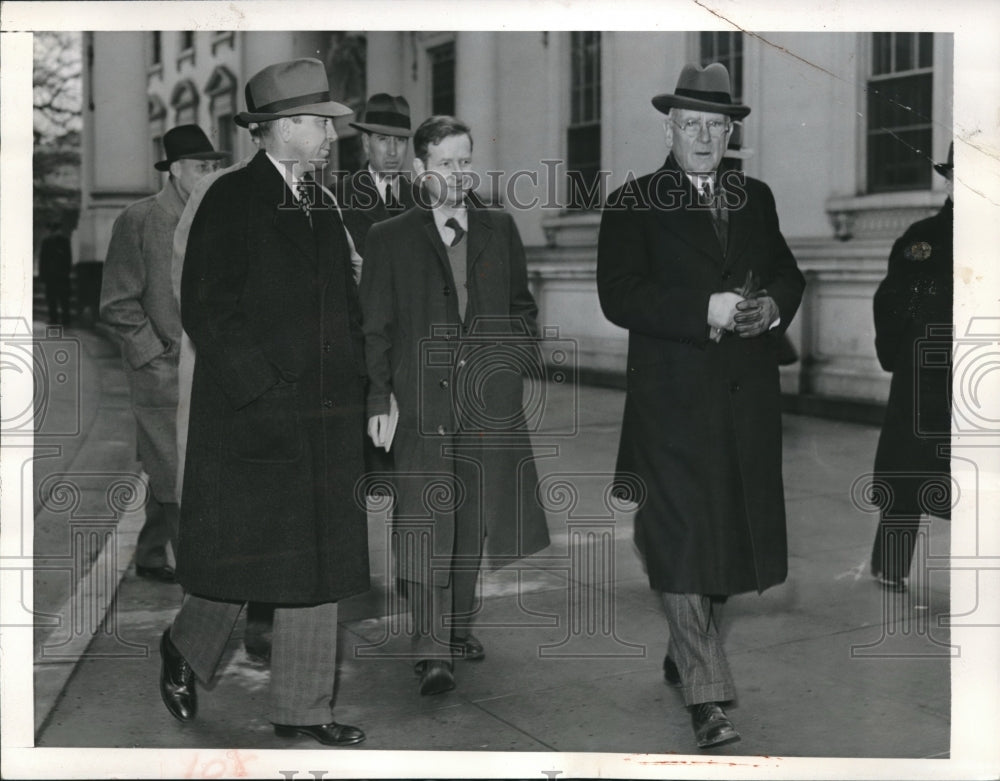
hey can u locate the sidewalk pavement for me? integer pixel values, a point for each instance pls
(827, 664)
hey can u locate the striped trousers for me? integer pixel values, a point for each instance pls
(696, 647)
(303, 653)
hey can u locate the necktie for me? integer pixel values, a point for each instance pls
(720, 220)
(390, 197)
(304, 191)
(452, 223)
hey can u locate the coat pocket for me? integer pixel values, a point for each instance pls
(267, 429)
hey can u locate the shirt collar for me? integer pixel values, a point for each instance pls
(441, 217)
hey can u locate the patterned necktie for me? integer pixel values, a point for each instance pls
(452, 223)
(720, 219)
(304, 190)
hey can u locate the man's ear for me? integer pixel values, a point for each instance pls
(366, 144)
(175, 169)
(418, 166)
(284, 128)
(668, 132)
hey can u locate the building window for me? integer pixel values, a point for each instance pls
(157, 114)
(221, 89)
(184, 101)
(899, 130)
(725, 47)
(442, 62)
(186, 49)
(583, 136)
(156, 50)
(221, 38)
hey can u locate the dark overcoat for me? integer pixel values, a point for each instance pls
(274, 441)
(363, 207)
(913, 340)
(701, 435)
(458, 383)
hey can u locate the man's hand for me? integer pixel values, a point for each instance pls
(722, 310)
(755, 315)
(378, 429)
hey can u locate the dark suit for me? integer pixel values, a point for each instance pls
(275, 435)
(411, 320)
(363, 207)
(913, 340)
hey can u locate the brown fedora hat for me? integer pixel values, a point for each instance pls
(702, 89)
(186, 142)
(386, 114)
(947, 169)
(289, 89)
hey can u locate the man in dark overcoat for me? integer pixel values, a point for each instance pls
(137, 302)
(379, 190)
(448, 321)
(913, 340)
(694, 265)
(276, 425)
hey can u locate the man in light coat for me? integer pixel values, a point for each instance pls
(138, 303)
(693, 264)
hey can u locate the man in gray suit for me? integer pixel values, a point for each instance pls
(137, 302)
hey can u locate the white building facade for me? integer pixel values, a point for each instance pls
(843, 127)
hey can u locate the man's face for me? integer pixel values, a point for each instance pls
(187, 173)
(448, 162)
(698, 139)
(308, 138)
(385, 153)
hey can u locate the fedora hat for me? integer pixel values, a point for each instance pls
(386, 114)
(186, 142)
(289, 89)
(946, 169)
(702, 89)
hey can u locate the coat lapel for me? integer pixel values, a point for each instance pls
(480, 233)
(288, 218)
(740, 222)
(690, 222)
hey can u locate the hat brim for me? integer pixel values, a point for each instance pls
(663, 103)
(944, 169)
(328, 108)
(164, 165)
(385, 130)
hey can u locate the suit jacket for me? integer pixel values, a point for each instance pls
(275, 435)
(701, 437)
(363, 207)
(138, 303)
(459, 383)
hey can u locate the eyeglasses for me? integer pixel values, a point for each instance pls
(692, 127)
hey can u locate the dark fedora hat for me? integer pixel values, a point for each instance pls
(386, 114)
(289, 89)
(702, 89)
(946, 169)
(186, 142)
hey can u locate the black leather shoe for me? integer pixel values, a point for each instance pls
(177, 684)
(712, 726)
(670, 672)
(164, 574)
(332, 734)
(435, 677)
(468, 648)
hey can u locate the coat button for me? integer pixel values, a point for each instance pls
(734, 386)
(441, 430)
(327, 347)
(327, 403)
(443, 383)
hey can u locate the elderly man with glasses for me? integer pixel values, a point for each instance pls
(692, 262)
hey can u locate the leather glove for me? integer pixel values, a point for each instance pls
(755, 315)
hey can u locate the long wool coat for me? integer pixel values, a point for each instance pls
(138, 302)
(362, 206)
(702, 426)
(913, 314)
(459, 385)
(269, 511)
